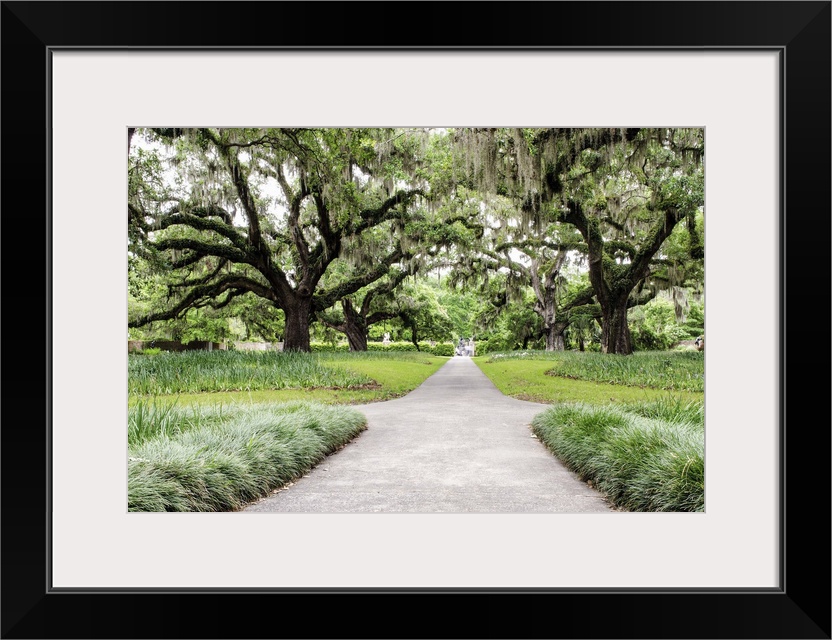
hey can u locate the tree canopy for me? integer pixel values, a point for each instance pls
(327, 224)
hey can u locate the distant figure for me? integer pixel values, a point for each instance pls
(460, 348)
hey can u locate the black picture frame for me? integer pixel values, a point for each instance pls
(800, 608)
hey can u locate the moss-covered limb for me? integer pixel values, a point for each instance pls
(580, 299)
(387, 210)
(205, 249)
(199, 222)
(295, 200)
(239, 179)
(204, 295)
(615, 247)
(540, 242)
(468, 222)
(189, 282)
(660, 232)
(324, 298)
(137, 218)
(696, 243)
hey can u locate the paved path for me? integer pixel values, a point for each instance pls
(455, 444)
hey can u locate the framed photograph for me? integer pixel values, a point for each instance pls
(754, 75)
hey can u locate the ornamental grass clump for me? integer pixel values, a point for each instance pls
(150, 418)
(234, 455)
(640, 463)
(211, 371)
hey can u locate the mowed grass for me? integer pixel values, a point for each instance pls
(595, 378)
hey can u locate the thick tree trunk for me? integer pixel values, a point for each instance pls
(615, 334)
(547, 304)
(296, 336)
(355, 326)
(356, 336)
(554, 338)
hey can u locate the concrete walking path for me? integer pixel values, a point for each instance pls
(455, 444)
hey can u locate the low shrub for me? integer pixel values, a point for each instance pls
(233, 455)
(640, 463)
(442, 349)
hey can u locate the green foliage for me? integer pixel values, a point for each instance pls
(694, 324)
(497, 204)
(203, 371)
(640, 464)
(505, 317)
(438, 349)
(266, 212)
(668, 370)
(204, 325)
(420, 311)
(460, 305)
(329, 347)
(228, 456)
(442, 349)
(654, 326)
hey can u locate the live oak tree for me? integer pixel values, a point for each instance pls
(368, 306)
(551, 298)
(308, 220)
(623, 190)
(266, 212)
(529, 257)
(428, 238)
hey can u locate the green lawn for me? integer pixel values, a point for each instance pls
(527, 379)
(380, 377)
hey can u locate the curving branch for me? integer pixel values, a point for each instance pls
(205, 295)
(386, 211)
(204, 223)
(205, 249)
(323, 300)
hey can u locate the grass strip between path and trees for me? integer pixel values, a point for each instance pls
(213, 458)
(563, 376)
(218, 378)
(647, 457)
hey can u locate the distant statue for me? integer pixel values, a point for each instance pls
(386, 340)
(699, 343)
